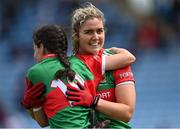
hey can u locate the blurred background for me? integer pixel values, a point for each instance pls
(150, 29)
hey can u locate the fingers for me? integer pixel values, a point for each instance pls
(38, 87)
(28, 83)
(112, 48)
(76, 103)
(38, 84)
(72, 93)
(36, 91)
(105, 123)
(74, 98)
(80, 86)
(71, 88)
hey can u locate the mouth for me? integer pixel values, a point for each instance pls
(94, 44)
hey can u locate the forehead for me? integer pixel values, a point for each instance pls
(92, 23)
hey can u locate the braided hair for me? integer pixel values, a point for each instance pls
(54, 39)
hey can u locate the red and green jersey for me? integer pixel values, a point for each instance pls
(106, 90)
(58, 109)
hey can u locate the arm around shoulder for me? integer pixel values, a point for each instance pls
(120, 59)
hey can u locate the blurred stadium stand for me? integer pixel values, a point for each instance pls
(157, 69)
(157, 86)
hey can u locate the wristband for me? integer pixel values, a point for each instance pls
(37, 109)
(95, 101)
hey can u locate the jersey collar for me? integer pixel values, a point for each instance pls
(49, 56)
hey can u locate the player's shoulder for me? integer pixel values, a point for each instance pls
(77, 64)
(73, 58)
(34, 70)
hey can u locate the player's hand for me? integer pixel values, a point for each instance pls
(32, 96)
(102, 124)
(115, 50)
(81, 96)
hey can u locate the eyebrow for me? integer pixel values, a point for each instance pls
(95, 29)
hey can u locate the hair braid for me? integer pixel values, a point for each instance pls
(63, 58)
(54, 39)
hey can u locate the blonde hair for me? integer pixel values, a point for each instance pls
(79, 16)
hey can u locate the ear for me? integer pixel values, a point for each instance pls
(41, 48)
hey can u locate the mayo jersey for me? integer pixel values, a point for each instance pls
(58, 109)
(106, 90)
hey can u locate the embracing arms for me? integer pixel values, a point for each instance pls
(124, 106)
(120, 59)
(33, 103)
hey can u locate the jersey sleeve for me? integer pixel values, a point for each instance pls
(34, 75)
(123, 76)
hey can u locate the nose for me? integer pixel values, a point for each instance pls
(95, 35)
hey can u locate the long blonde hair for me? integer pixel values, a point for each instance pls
(79, 16)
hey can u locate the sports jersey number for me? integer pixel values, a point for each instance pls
(60, 84)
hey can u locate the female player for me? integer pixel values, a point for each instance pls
(116, 91)
(53, 69)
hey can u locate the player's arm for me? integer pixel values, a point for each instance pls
(30, 112)
(124, 106)
(32, 97)
(122, 109)
(120, 59)
(125, 96)
(40, 117)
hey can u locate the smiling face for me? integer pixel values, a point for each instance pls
(91, 36)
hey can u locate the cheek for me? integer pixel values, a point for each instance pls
(37, 56)
(102, 41)
(83, 41)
